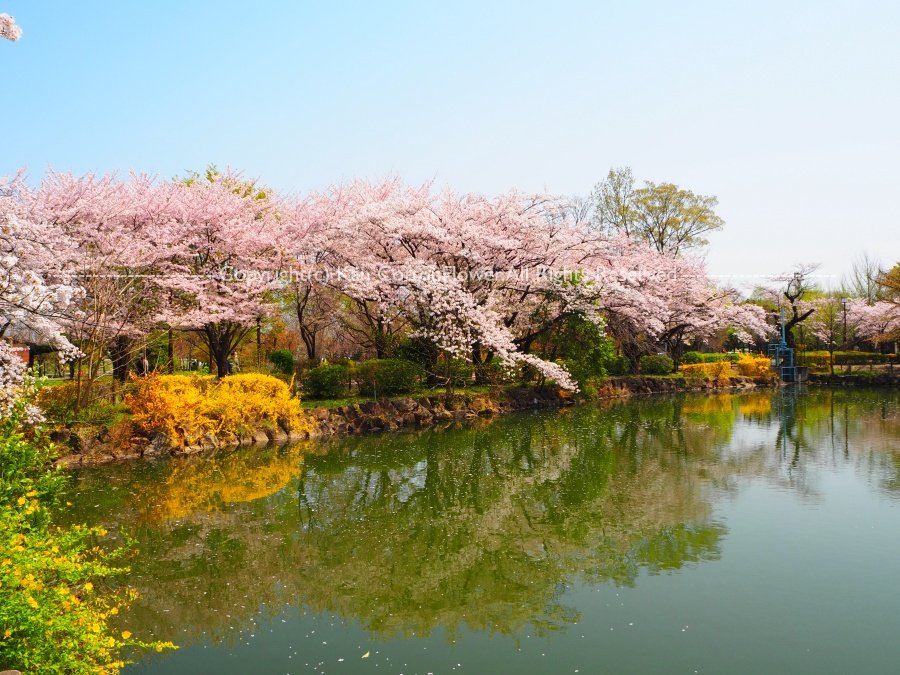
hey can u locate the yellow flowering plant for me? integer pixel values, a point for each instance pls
(750, 365)
(56, 607)
(188, 407)
(717, 370)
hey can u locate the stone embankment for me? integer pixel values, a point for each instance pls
(91, 446)
(861, 379)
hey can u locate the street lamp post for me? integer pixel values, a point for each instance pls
(844, 306)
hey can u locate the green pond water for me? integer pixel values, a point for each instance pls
(755, 533)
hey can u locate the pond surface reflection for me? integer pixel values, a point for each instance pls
(739, 534)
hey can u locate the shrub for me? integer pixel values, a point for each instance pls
(706, 357)
(388, 377)
(497, 372)
(282, 361)
(592, 364)
(419, 350)
(331, 381)
(583, 348)
(589, 391)
(862, 358)
(820, 359)
(754, 366)
(52, 618)
(244, 403)
(456, 373)
(619, 365)
(656, 364)
(174, 405)
(187, 407)
(58, 402)
(717, 370)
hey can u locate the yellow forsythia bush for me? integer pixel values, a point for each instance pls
(188, 407)
(52, 617)
(750, 365)
(244, 403)
(719, 370)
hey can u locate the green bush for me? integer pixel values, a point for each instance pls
(589, 391)
(583, 348)
(458, 372)
(657, 364)
(689, 358)
(388, 377)
(619, 365)
(820, 359)
(282, 361)
(419, 350)
(331, 381)
(862, 358)
(58, 404)
(497, 372)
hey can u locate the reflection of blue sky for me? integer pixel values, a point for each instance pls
(414, 482)
(749, 436)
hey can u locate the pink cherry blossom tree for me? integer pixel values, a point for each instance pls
(115, 252)
(878, 322)
(486, 278)
(222, 236)
(446, 267)
(480, 278)
(695, 309)
(36, 289)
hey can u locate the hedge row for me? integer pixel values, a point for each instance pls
(657, 364)
(708, 357)
(401, 376)
(374, 378)
(821, 359)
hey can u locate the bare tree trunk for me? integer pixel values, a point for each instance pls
(222, 339)
(171, 352)
(120, 355)
(258, 343)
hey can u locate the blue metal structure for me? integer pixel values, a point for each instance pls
(783, 361)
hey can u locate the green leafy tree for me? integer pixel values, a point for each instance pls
(669, 218)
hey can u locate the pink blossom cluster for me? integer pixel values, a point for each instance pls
(17, 388)
(36, 290)
(8, 28)
(878, 322)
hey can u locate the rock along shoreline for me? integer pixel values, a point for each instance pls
(89, 448)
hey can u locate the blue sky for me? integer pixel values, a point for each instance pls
(789, 112)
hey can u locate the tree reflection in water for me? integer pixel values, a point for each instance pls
(483, 526)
